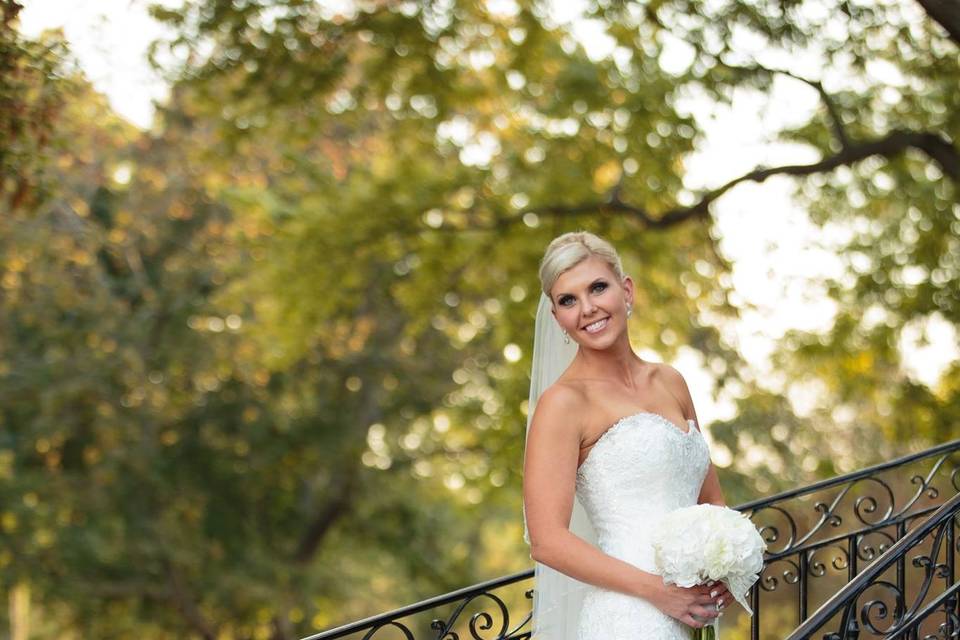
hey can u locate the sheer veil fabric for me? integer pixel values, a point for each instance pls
(557, 598)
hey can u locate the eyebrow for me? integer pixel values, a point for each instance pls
(600, 279)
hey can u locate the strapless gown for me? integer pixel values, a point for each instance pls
(640, 469)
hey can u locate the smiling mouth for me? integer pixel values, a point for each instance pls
(597, 325)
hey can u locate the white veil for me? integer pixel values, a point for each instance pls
(557, 598)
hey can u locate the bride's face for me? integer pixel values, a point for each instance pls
(590, 302)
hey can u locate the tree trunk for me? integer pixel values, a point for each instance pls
(20, 612)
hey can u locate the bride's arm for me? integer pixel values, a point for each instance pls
(710, 491)
(549, 484)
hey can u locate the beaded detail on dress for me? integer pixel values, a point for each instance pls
(640, 469)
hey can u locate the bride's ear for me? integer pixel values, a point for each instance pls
(628, 289)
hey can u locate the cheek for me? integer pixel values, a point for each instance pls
(567, 317)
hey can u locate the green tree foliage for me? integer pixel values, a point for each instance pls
(264, 367)
(32, 98)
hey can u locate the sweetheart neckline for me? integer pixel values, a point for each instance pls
(670, 424)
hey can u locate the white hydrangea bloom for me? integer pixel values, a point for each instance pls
(708, 542)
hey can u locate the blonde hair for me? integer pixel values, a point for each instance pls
(570, 249)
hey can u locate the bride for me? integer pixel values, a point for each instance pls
(613, 444)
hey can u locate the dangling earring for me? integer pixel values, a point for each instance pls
(629, 310)
(566, 337)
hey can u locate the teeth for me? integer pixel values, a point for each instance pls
(596, 326)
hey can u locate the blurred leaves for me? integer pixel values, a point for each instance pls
(254, 370)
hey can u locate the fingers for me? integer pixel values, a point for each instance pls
(691, 622)
(699, 617)
(706, 612)
(720, 595)
(708, 603)
(713, 587)
(713, 596)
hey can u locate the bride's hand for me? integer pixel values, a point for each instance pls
(693, 606)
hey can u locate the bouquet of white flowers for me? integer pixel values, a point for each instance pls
(708, 542)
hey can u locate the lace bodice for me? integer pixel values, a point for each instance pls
(641, 468)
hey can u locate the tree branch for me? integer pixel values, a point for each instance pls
(186, 605)
(346, 477)
(946, 13)
(935, 146)
(938, 148)
(836, 122)
(337, 506)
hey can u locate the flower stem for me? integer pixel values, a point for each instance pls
(706, 632)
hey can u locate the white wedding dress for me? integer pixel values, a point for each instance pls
(640, 469)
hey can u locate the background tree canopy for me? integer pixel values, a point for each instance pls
(263, 367)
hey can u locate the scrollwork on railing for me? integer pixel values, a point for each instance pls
(888, 614)
(771, 533)
(866, 498)
(446, 627)
(944, 605)
(818, 569)
(479, 625)
(873, 611)
(868, 552)
(865, 505)
(407, 634)
(855, 519)
(926, 486)
(790, 575)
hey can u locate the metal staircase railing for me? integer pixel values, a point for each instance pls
(908, 610)
(858, 516)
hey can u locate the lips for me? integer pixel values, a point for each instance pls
(597, 325)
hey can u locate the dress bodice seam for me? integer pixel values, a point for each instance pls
(659, 420)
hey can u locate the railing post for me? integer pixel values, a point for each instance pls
(901, 571)
(853, 627)
(852, 557)
(950, 608)
(803, 563)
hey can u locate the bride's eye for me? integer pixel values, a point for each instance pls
(596, 286)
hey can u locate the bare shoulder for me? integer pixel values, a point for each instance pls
(671, 377)
(673, 381)
(559, 408)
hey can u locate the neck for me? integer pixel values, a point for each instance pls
(618, 363)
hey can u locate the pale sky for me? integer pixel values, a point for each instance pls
(775, 249)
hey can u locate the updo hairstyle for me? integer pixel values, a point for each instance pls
(570, 249)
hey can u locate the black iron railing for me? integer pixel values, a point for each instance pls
(480, 624)
(876, 604)
(856, 516)
(853, 518)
